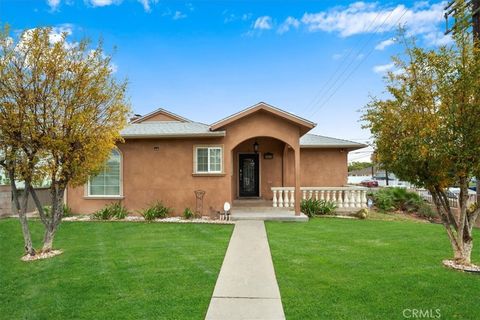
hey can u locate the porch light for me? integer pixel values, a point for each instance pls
(255, 147)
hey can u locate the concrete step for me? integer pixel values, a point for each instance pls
(268, 216)
(252, 203)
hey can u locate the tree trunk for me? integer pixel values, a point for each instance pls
(56, 193)
(48, 239)
(463, 255)
(22, 214)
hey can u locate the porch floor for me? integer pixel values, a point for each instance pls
(259, 209)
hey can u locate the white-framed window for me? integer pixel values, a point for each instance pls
(208, 159)
(108, 182)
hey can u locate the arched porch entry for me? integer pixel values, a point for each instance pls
(260, 163)
(271, 127)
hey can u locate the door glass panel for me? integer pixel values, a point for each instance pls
(249, 182)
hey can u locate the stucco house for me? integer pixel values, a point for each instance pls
(261, 152)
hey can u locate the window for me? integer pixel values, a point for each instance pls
(108, 182)
(208, 160)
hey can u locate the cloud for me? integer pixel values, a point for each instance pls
(230, 17)
(263, 23)
(384, 44)
(361, 18)
(103, 3)
(58, 31)
(382, 68)
(178, 15)
(146, 4)
(287, 24)
(53, 4)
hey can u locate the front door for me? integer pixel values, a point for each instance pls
(248, 175)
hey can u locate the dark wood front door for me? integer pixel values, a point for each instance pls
(248, 174)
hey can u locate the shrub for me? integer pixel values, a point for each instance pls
(426, 211)
(389, 199)
(67, 212)
(188, 213)
(312, 207)
(114, 210)
(155, 211)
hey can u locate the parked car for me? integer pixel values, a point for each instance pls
(369, 183)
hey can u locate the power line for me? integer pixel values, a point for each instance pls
(353, 71)
(357, 54)
(344, 59)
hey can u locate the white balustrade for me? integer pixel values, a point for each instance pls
(349, 198)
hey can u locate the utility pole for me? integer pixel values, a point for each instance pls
(451, 10)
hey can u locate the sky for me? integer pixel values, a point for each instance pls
(204, 60)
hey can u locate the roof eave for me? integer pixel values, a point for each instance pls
(350, 147)
(287, 115)
(181, 135)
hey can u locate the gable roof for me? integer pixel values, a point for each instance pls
(168, 129)
(305, 124)
(161, 111)
(315, 141)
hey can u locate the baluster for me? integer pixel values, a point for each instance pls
(304, 194)
(334, 196)
(275, 204)
(352, 198)
(286, 200)
(280, 198)
(327, 195)
(359, 199)
(340, 198)
(310, 194)
(364, 198)
(316, 194)
(322, 194)
(346, 201)
(292, 198)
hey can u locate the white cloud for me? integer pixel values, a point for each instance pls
(53, 4)
(287, 24)
(103, 3)
(230, 17)
(382, 68)
(57, 32)
(384, 44)
(178, 15)
(263, 23)
(360, 18)
(147, 4)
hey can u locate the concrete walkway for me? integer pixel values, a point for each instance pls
(246, 287)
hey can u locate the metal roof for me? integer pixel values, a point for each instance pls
(315, 141)
(168, 129)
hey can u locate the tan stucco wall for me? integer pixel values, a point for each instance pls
(167, 174)
(323, 167)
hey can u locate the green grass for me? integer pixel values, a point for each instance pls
(364, 269)
(113, 271)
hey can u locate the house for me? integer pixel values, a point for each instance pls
(261, 152)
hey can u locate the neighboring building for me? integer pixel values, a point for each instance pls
(167, 157)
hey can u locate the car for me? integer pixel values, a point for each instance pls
(369, 183)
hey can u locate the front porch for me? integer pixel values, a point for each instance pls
(259, 209)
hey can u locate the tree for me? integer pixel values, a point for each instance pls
(427, 131)
(355, 165)
(61, 112)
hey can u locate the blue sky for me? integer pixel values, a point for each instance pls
(208, 59)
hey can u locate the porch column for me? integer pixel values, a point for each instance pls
(298, 196)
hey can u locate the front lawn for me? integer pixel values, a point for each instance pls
(364, 269)
(113, 270)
